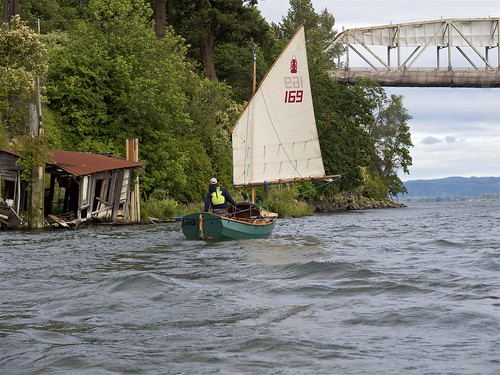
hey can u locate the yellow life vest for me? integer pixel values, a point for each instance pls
(217, 197)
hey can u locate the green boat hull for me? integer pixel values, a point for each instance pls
(213, 227)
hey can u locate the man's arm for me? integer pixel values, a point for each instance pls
(207, 202)
(228, 197)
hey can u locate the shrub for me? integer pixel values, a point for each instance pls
(160, 206)
(374, 187)
(283, 201)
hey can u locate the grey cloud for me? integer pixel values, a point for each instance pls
(431, 140)
(464, 113)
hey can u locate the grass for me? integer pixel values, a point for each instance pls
(161, 207)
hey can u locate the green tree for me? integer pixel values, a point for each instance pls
(22, 59)
(221, 34)
(235, 67)
(345, 146)
(392, 141)
(319, 32)
(113, 79)
(52, 14)
(109, 83)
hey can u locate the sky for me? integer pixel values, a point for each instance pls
(455, 131)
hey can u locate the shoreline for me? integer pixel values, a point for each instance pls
(353, 204)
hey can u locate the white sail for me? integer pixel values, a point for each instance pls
(275, 138)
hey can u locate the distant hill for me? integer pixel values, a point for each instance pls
(453, 187)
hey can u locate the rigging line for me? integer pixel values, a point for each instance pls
(236, 211)
(303, 193)
(318, 187)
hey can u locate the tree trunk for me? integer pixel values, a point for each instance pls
(14, 7)
(10, 9)
(5, 11)
(160, 18)
(207, 50)
(206, 32)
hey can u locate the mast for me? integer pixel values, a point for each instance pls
(254, 85)
(254, 81)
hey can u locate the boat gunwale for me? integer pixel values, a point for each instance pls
(248, 221)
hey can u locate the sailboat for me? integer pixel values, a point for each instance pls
(275, 141)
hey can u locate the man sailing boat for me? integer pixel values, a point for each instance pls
(217, 197)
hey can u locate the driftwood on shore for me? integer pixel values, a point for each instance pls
(9, 218)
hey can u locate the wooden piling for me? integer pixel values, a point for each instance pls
(135, 201)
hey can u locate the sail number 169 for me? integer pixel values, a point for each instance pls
(293, 96)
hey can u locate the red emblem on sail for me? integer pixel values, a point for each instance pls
(293, 65)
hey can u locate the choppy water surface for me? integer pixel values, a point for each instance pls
(397, 291)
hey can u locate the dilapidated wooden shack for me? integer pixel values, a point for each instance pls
(80, 187)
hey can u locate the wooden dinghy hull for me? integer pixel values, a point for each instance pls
(240, 223)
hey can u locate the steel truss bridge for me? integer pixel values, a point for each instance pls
(441, 53)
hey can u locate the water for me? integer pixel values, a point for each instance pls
(396, 291)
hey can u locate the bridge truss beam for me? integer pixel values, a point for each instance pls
(412, 43)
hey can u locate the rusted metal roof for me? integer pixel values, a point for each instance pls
(83, 163)
(79, 163)
(12, 152)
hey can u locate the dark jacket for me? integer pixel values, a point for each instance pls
(225, 194)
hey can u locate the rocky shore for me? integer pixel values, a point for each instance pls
(348, 203)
